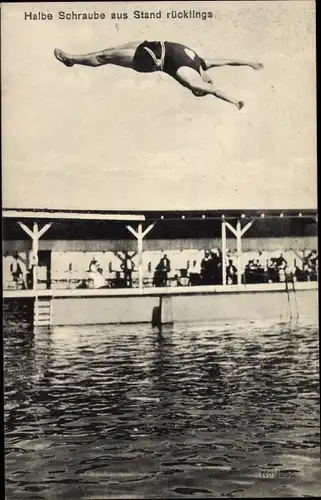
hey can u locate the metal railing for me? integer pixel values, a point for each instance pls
(119, 281)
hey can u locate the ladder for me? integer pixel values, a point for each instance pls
(42, 311)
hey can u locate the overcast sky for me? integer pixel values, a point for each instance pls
(111, 138)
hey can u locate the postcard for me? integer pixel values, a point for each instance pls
(160, 253)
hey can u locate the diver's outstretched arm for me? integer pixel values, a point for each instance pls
(215, 63)
(191, 79)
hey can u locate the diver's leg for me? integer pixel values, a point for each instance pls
(215, 63)
(120, 56)
(191, 79)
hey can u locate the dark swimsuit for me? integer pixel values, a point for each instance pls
(175, 55)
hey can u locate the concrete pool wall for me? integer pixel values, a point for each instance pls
(166, 305)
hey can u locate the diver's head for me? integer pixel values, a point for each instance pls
(198, 92)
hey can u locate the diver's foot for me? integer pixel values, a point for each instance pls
(257, 66)
(62, 57)
(240, 105)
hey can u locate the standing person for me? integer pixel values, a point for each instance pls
(216, 267)
(163, 268)
(175, 59)
(18, 273)
(127, 266)
(206, 268)
(231, 273)
(193, 273)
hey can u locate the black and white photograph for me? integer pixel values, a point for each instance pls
(160, 250)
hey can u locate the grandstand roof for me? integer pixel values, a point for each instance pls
(120, 215)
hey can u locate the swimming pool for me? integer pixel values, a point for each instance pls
(205, 409)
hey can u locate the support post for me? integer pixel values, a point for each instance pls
(35, 248)
(238, 233)
(223, 253)
(44, 229)
(245, 228)
(140, 234)
(140, 255)
(166, 310)
(239, 251)
(231, 228)
(35, 234)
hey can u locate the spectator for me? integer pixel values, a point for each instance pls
(259, 270)
(231, 273)
(93, 265)
(183, 278)
(158, 277)
(207, 268)
(312, 263)
(118, 282)
(299, 274)
(82, 284)
(313, 257)
(258, 265)
(162, 270)
(15, 269)
(30, 278)
(248, 274)
(176, 281)
(307, 271)
(280, 261)
(127, 266)
(18, 274)
(309, 268)
(315, 266)
(193, 274)
(98, 278)
(216, 274)
(273, 275)
(281, 274)
(260, 261)
(254, 273)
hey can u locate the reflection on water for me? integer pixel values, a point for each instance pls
(126, 412)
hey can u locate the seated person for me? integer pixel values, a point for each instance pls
(249, 272)
(298, 274)
(93, 265)
(82, 284)
(273, 274)
(98, 278)
(282, 274)
(259, 271)
(306, 271)
(176, 281)
(312, 261)
(280, 261)
(118, 281)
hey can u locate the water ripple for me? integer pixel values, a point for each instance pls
(123, 411)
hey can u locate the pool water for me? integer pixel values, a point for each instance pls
(203, 410)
